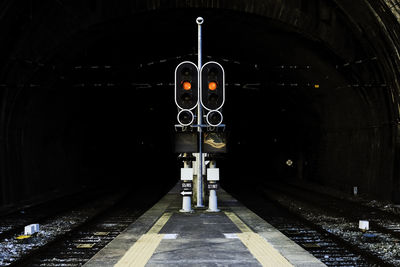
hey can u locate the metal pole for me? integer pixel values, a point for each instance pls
(199, 22)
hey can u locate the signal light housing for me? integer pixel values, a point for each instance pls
(214, 118)
(185, 117)
(186, 84)
(212, 86)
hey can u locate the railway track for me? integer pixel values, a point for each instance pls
(325, 246)
(79, 245)
(102, 221)
(340, 217)
(54, 225)
(13, 223)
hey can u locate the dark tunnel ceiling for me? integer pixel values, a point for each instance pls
(102, 73)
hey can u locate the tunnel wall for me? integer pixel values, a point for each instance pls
(361, 151)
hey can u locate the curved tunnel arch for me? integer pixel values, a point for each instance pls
(343, 133)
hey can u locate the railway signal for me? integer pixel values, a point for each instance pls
(186, 91)
(212, 82)
(212, 91)
(186, 85)
(201, 87)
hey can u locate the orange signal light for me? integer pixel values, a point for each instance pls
(212, 86)
(186, 86)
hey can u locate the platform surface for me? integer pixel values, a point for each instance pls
(235, 236)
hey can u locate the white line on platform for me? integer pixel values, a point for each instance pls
(231, 236)
(170, 236)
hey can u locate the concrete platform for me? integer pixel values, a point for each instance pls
(233, 237)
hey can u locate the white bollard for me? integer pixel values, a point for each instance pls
(213, 201)
(213, 178)
(186, 177)
(186, 204)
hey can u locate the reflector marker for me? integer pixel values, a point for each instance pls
(23, 237)
(86, 245)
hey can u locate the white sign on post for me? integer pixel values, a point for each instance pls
(187, 174)
(213, 174)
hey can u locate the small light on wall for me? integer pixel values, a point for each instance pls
(289, 162)
(355, 190)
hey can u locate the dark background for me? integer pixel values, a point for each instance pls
(86, 93)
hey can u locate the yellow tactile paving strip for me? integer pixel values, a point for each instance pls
(258, 246)
(140, 253)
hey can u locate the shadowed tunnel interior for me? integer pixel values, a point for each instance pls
(87, 93)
